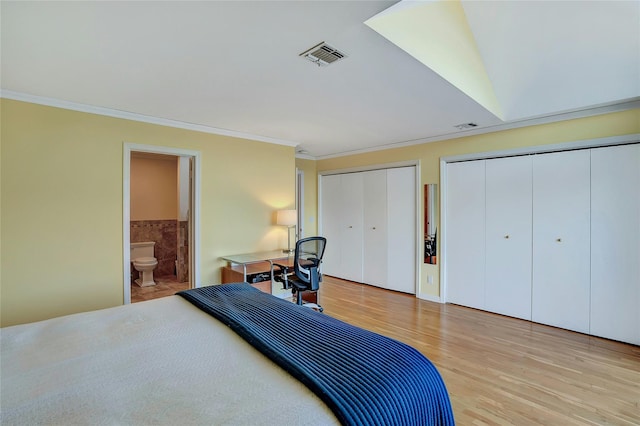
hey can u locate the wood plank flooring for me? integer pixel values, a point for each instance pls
(501, 370)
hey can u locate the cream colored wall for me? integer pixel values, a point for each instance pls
(61, 198)
(429, 154)
(154, 188)
(310, 196)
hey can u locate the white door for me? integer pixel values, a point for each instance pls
(375, 228)
(332, 224)
(508, 236)
(465, 250)
(615, 243)
(402, 232)
(352, 223)
(561, 243)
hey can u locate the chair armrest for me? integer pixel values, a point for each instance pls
(284, 268)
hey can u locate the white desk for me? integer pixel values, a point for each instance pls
(241, 266)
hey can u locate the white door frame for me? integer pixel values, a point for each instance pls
(300, 203)
(128, 148)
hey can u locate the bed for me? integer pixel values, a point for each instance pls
(226, 354)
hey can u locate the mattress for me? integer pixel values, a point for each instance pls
(162, 361)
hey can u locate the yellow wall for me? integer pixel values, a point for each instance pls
(61, 198)
(429, 154)
(310, 226)
(154, 188)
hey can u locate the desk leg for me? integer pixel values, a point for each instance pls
(272, 276)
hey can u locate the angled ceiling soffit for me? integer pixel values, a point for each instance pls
(437, 34)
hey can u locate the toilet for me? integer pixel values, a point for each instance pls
(144, 262)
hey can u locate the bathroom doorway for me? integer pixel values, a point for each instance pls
(161, 204)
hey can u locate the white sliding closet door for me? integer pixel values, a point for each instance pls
(615, 243)
(375, 260)
(401, 215)
(352, 232)
(561, 243)
(465, 215)
(369, 220)
(508, 236)
(332, 226)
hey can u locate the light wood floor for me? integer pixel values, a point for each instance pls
(501, 370)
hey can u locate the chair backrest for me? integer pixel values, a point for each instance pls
(307, 260)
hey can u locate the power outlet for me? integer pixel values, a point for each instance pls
(429, 279)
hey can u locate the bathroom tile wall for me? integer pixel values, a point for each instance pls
(183, 251)
(165, 235)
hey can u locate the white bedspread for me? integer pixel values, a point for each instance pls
(158, 362)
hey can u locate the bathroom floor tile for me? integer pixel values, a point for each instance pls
(165, 286)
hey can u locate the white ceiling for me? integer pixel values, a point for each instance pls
(234, 67)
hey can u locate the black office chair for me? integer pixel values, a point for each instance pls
(306, 274)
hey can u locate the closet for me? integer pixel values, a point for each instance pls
(561, 241)
(489, 235)
(369, 220)
(342, 225)
(465, 234)
(508, 236)
(615, 243)
(553, 238)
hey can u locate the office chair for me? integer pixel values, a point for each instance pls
(306, 274)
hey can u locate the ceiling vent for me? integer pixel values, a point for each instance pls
(465, 126)
(322, 54)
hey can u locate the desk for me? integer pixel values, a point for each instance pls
(254, 268)
(257, 270)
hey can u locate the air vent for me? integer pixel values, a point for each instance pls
(322, 54)
(465, 126)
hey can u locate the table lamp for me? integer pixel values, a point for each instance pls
(289, 219)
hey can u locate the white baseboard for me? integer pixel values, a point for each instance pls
(429, 297)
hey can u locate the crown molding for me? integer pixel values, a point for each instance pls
(516, 124)
(74, 106)
(551, 118)
(305, 156)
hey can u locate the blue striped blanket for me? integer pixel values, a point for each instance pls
(363, 377)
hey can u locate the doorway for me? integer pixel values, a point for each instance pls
(300, 204)
(180, 253)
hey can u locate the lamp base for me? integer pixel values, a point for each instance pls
(289, 249)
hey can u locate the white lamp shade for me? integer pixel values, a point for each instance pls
(286, 217)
